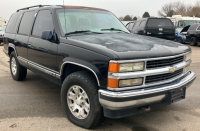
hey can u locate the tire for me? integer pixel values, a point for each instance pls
(193, 41)
(180, 40)
(82, 81)
(18, 72)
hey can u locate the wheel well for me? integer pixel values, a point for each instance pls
(10, 50)
(71, 68)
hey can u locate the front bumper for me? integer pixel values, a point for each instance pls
(116, 101)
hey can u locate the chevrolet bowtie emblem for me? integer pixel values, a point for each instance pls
(173, 69)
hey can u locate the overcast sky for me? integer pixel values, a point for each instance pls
(118, 7)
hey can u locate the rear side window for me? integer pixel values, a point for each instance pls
(198, 28)
(26, 22)
(143, 23)
(130, 26)
(159, 23)
(12, 22)
(43, 22)
(193, 27)
(137, 24)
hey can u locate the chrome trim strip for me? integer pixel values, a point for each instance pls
(156, 71)
(125, 94)
(148, 59)
(12, 46)
(148, 85)
(61, 70)
(134, 103)
(22, 59)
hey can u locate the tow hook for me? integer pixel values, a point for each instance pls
(145, 108)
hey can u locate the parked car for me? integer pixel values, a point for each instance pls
(125, 22)
(181, 35)
(155, 27)
(103, 70)
(2, 31)
(129, 25)
(193, 34)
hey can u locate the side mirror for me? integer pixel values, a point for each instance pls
(47, 35)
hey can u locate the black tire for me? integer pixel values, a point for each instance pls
(21, 71)
(180, 40)
(193, 41)
(88, 83)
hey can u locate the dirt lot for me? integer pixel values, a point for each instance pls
(34, 105)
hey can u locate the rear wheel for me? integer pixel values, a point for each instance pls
(18, 72)
(193, 41)
(79, 97)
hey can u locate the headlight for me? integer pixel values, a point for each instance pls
(126, 67)
(187, 57)
(130, 82)
(186, 69)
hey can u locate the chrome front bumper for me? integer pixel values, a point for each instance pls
(134, 98)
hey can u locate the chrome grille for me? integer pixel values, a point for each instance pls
(164, 62)
(162, 77)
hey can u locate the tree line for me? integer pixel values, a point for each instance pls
(180, 8)
(131, 18)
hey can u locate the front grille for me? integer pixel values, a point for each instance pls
(164, 62)
(162, 77)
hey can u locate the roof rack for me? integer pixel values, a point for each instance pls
(32, 7)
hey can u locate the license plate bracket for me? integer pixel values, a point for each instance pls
(176, 95)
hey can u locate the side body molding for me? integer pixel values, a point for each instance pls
(10, 45)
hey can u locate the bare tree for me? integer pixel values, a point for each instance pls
(166, 10)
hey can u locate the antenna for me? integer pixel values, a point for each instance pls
(64, 15)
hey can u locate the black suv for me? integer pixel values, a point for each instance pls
(193, 34)
(155, 27)
(103, 69)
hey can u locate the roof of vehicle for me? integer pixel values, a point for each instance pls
(61, 6)
(150, 18)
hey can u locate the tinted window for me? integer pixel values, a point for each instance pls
(143, 23)
(12, 22)
(193, 27)
(159, 23)
(25, 24)
(137, 23)
(130, 26)
(198, 28)
(43, 22)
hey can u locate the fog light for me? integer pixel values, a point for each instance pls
(186, 69)
(130, 82)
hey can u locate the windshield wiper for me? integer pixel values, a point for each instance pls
(114, 30)
(81, 31)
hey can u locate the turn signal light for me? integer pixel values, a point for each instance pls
(113, 83)
(113, 67)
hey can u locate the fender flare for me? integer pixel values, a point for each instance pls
(83, 64)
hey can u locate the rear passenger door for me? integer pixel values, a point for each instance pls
(42, 53)
(21, 38)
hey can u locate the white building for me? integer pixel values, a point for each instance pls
(3, 22)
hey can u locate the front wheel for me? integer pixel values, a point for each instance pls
(180, 40)
(79, 97)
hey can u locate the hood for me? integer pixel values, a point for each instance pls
(131, 46)
(185, 29)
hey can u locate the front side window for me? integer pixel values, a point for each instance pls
(137, 24)
(131, 26)
(72, 20)
(42, 23)
(25, 23)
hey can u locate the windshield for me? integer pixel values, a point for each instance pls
(190, 22)
(3, 28)
(159, 23)
(91, 20)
